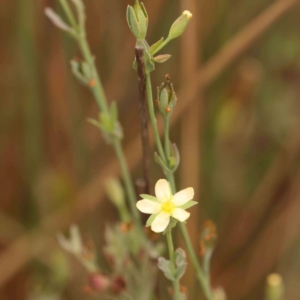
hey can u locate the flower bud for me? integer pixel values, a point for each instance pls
(180, 25)
(275, 287)
(219, 294)
(137, 19)
(166, 98)
(115, 192)
(98, 282)
(118, 285)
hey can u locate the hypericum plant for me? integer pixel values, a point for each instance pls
(167, 209)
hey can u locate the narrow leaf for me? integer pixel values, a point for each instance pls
(161, 58)
(165, 266)
(156, 45)
(57, 20)
(188, 204)
(150, 220)
(149, 197)
(161, 163)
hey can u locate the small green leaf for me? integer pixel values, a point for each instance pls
(94, 122)
(180, 257)
(75, 67)
(143, 22)
(161, 163)
(149, 197)
(114, 111)
(176, 155)
(161, 58)
(172, 224)
(165, 266)
(156, 45)
(132, 22)
(145, 12)
(149, 65)
(150, 220)
(180, 261)
(58, 21)
(86, 70)
(188, 204)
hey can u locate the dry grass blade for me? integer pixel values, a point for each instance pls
(282, 228)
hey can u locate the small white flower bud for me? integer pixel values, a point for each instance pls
(180, 25)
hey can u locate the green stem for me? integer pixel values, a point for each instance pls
(167, 139)
(98, 90)
(69, 13)
(176, 285)
(166, 41)
(127, 180)
(102, 103)
(153, 118)
(204, 280)
(202, 277)
(101, 100)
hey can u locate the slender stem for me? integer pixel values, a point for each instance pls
(98, 90)
(127, 180)
(69, 13)
(100, 97)
(153, 118)
(176, 285)
(202, 277)
(167, 139)
(166, 41)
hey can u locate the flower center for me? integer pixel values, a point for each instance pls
(167, 206)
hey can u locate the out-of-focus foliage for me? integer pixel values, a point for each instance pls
(249, 138)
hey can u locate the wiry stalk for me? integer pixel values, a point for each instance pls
(100, 97)
(201, 276)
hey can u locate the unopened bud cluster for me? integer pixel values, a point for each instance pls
(137, 19)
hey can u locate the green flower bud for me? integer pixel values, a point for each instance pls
(180, 25)
(116, 195)
(115, 192)
(137, 19)
(166, 98)
(275, 287)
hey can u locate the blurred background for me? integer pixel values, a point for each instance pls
(236, 71)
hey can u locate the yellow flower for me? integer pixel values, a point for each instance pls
(165, 205)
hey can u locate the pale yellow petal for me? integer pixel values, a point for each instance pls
(161, 222)
(162, 190)
(183, 196)
(180, 214)
(148, 206)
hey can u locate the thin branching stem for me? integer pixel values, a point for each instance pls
(176, 285)
(98, 90)
(204, 281)
(153, 118)
(66, 7)
(166, 41)
(201, 276)
(101, 100)
(127, 180)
